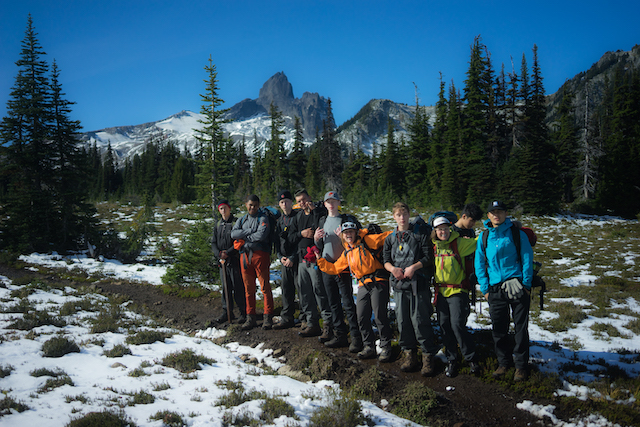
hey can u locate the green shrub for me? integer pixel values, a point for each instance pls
(45, 372)
(243, 418)
(194, 260)
(72, 307)
(106, 418)
(58, 347)
(169, 418)
(147, 337)
(415, 403)
(5, 370)
(53, 383)
(141, 398)
(107, 320)
(137, 372)
(10, 403)
(367, 384)
(274, 407)
(185, 361)
(161, 386)
(36, 319)
(118, 350)
(341, 412)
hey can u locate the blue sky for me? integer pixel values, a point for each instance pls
(135, 61)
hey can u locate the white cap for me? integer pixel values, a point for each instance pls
(348, 226)
(440, 220)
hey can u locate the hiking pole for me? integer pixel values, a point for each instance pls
(225, 289)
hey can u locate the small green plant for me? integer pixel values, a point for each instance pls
(22, 306)
(118, 350)
(35, 319)
(53, 383)
(161, 386)
(106, 418)
(367, 384)
(137, 372)
(58, 347)
(10, 403)
(147, 337)
(5, 370)
(274, 407)
(107, 320)
(342, 411)
(415, 403)
(241, 419)
(169, 418)
(72, 307)
(78, 398)
(185, 361)
(45, 372)
(141, 398)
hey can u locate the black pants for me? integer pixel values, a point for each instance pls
(501, 308)
(340, 295)
(235, 285)
(453, 313)
(289, 280)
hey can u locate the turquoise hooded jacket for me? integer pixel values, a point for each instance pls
(502, 257)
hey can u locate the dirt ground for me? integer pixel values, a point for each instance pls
(463, 401)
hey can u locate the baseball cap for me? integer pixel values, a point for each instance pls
(440, 220)
(331, 195)
(496, 205)
(285, 194)
(223, 202)
(348, 226)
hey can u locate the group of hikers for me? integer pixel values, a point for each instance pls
(322, 251)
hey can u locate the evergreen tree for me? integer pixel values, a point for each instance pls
(565, 139)
(438, 144)
(297, 159)
(331, 162)
(213, 179)
(419, 168)
(275, 156)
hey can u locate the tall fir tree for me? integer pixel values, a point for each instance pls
(331, 162)
(565, 139)
(418, 165)
(213, 179)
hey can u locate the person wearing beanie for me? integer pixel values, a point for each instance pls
(229, 260)
(288, 257)
(505, 281)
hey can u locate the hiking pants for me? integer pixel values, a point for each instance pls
(374, 298)
(257, 267)
(235, 286)
(500, 309)
(414, 319)
(453, 313)
(289, 276)
(308, 274)
(340, 296)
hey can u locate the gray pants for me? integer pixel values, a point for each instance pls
(414, 319)
(453, 313)
(374, 299)
(310, 284)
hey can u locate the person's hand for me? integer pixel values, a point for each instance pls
(398, 273)
(410, 271)
(286, 261)
(319, 234)
(307, 233)
(486, 296)
(513, 288)
(223, 255)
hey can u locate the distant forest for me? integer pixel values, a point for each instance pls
(490, 139)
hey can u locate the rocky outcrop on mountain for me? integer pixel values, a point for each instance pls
(592, 83)
(368, 129)
(311, 108)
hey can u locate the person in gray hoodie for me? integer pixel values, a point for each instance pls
(251, 235)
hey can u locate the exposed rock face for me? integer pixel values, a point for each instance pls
(311, 108)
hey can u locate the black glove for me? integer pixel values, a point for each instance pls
(374, 229)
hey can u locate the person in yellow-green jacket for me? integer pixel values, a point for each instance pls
(452, 287)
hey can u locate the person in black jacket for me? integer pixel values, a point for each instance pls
(222, 246)
(338, 288)
(287, 254)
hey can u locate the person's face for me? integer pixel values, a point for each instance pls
(332, 206)
(467, 222)
(224, 210)
(497, 216)
(252, 207)
(402, 218)
(285, 205)
(443, 232)
(349, 236)
(304, 201)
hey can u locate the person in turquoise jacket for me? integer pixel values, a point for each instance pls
(505, 281)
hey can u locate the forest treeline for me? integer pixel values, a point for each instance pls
(489, 139)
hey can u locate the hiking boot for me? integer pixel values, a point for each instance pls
(223, 317)
(474, 368)
(367, 353)
(267, 322)
(500, 372)
(428, 368)
(310, 331)
(282, 324)
(385, 355)
(250, 323)
(410, 362)
(337, 342)
(451, 370)
(520, 375)
(240, 320)
(355, 346)
(327, 334)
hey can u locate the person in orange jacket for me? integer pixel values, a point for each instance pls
(373, 285)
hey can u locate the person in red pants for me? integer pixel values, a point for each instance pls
(251, 235)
